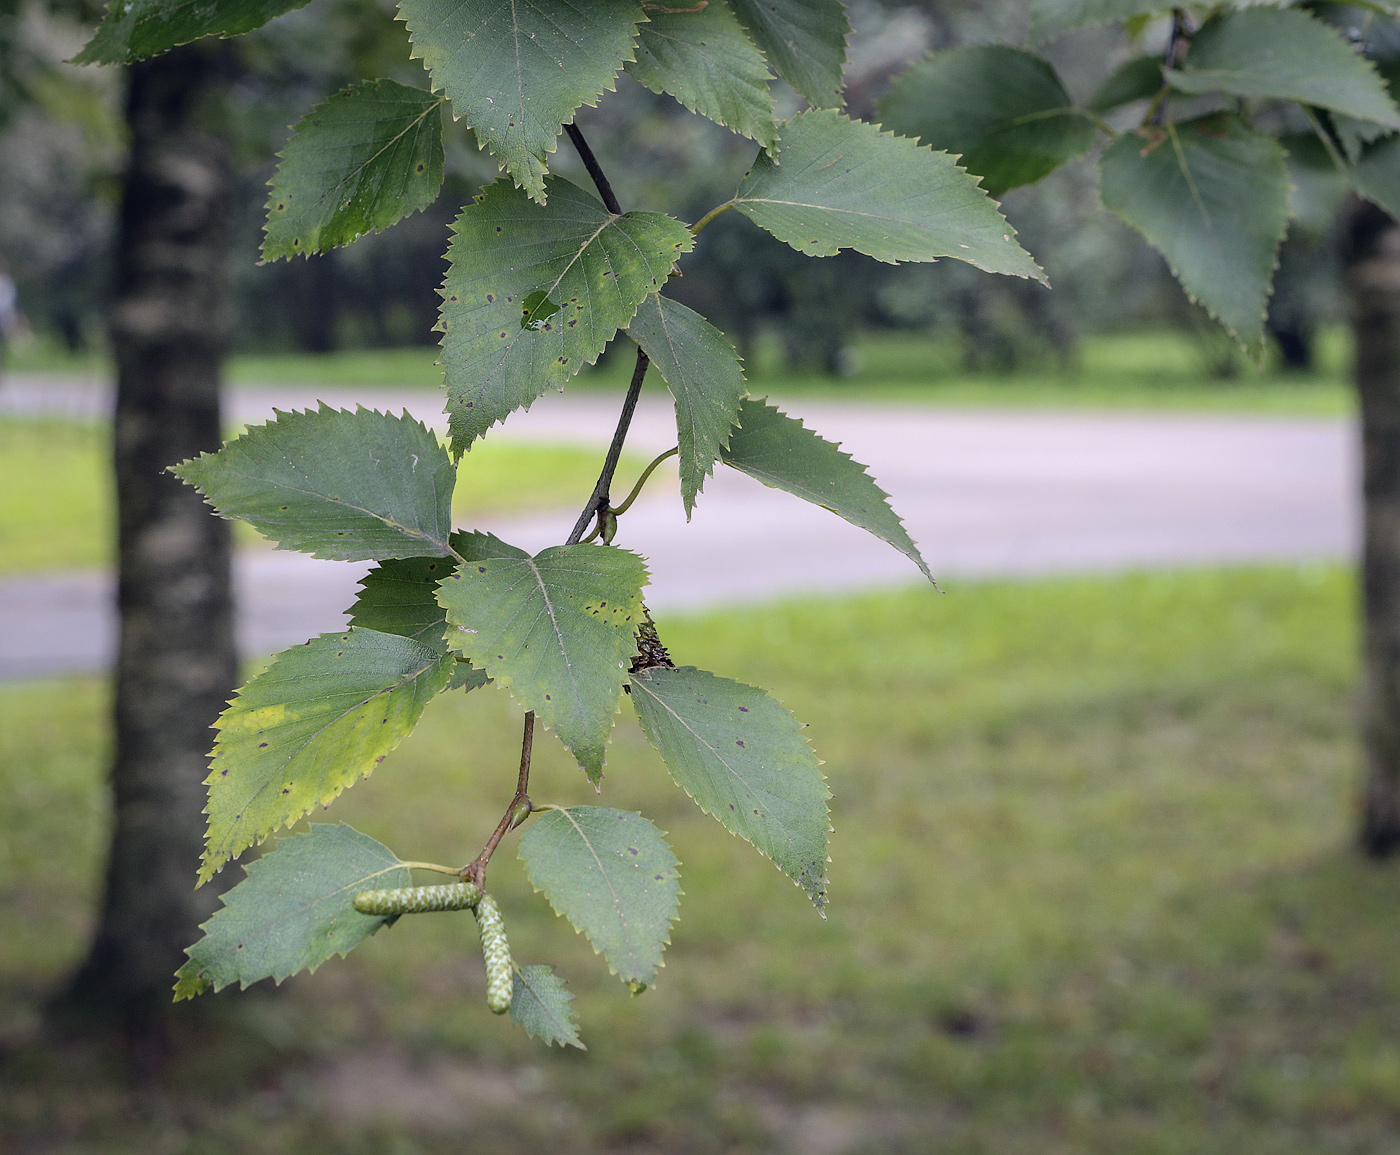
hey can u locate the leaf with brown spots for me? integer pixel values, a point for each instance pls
(743, 758)
(558, 630)
(533, 294)
(356, 164)
(323, 714)
(611, 874)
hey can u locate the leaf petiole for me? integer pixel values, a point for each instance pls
(619, 510)
(709, 216)
(455, 871)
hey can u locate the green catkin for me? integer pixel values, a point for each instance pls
(418, 899)
(500, 974)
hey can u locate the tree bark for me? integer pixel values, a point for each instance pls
(1373, 285)
(170, 320)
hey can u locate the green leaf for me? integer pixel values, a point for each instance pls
(1317, 185)
(1051, 17)
(518, 72)
(557, 630)
(133, 29)
(322, 715)
(707, 62)
(1376, 175)
(592, 267)
(292, 911)
(334, 484)
(1211, 195)
(356, 164)
(1003, 110)
(1139, 79)
(400, 597)
(611, 874)
(543, 1005)
(705, 377)
(781, 452)
(1284, 54)
(837, 183)
(805, 40)
(743, 758)
(1355, 134)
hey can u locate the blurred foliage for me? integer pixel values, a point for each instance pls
(60, 134)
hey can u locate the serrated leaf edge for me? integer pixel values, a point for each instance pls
(212, 863)
(295, 128)
(572, 1026)
(768, 146)
(277, 980)
(819, 900)
(1011, 234)
(709, 471)
(665, 942)
(538, 195)
(322, 408)
(1255, 348)
(506, 681)
(457, 450)
(916, 557)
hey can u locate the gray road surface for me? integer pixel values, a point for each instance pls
(982, 492)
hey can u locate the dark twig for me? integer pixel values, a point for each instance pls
(515, 813)
(1180, 30)
(595, 170)
(597, 505)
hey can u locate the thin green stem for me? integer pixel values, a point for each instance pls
(1338, 161)
(619, 510)
(709, 216)
(455, 871)
(1098, 122)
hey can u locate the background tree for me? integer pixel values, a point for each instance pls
(170, 319)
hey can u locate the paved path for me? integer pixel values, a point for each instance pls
(983, 493)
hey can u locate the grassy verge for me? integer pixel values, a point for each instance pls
(1137, 370)
(56, 503)
(1092, 892)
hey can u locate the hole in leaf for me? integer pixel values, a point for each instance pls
(536, 309)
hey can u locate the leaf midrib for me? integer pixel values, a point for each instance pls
(617, 903)
(421, 535)
(706, 743)
(356, 885)
(355, 173)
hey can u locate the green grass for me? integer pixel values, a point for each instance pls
(55, 496)
(1130, 370)
(1093, 893)
(56, 505)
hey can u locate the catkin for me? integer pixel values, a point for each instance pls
(500, 977)
(419, 899)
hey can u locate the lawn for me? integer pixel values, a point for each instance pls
(56, 505)
(1124, 370)
(1093, 893)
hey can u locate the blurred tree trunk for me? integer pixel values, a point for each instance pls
(1373, 285)
(170, 319)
